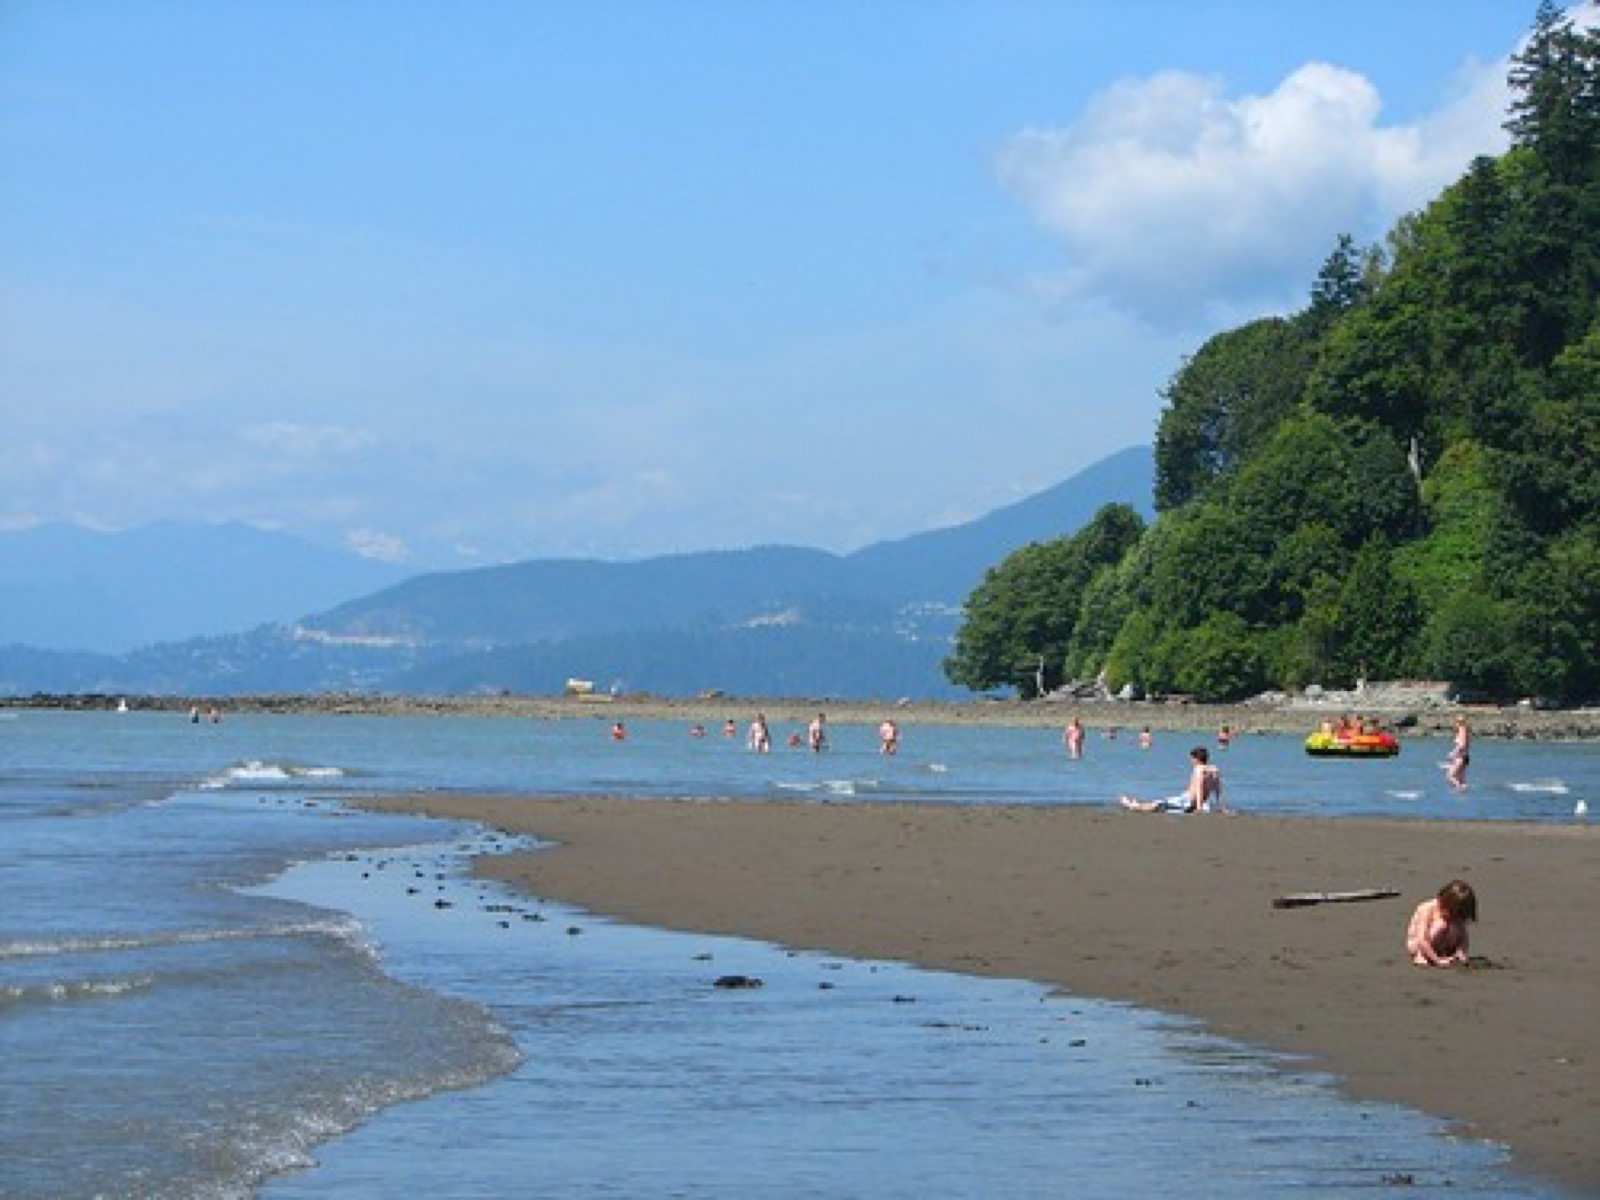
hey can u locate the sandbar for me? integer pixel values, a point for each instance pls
(1170, 913)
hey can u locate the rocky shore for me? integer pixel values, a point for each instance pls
(1420, 709)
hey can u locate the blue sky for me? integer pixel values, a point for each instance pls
(468, 282)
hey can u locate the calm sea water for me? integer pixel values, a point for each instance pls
(217, 980)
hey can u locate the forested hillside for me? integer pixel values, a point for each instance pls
(1402, 479)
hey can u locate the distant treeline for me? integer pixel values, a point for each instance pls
(1401, 479)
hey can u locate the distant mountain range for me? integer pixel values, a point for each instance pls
(67, 588)
(773, 620)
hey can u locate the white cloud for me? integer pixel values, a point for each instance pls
(308, 441)
(384, 547)
(1180, 203)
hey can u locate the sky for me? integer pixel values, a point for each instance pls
(461, 283)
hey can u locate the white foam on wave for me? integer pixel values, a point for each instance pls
(256, 773)
(75, 989)
(346, 929)
(288, 1143)
(1407, 794)
(828, 787)
(1552, 787)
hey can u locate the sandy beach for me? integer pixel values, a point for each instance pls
(1169, 913)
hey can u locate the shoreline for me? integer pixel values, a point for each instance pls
(1068, 898)
(1288, 716)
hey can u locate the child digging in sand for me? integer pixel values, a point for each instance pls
(1437, 936)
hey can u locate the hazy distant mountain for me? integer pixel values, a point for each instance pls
(765, 586)
(562, 598)
(768, 620)
(62, 587)
(946, 564)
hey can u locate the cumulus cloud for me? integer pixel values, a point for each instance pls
(1180, 203)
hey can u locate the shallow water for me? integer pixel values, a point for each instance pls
(641, 1078)
(179, 1015)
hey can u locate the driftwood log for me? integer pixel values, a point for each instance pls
(1307, 899)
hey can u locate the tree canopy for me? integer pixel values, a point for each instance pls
(1400, 479)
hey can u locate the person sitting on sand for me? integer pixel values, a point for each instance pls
(1437, 935)
(1203, 793)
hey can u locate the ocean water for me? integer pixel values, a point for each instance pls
(216, 979)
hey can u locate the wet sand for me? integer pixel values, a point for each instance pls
(1171, 913)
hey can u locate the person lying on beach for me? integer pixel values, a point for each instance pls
(1202, 795)
(1437, 935)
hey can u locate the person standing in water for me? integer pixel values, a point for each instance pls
(760, 736)
(1073, 737)
(817, 734)
(888, 737)
(1455, 770)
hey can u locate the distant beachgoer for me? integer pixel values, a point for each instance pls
(1460, 756)
(760, 736)
(817, 734)
(1073, 737)
(730, 728)
(619, 732)
(1225, 736)
(796, 742)
(1203, 793)
(1145, 738)
(888, 737)
(698, 731)
(1437, 935)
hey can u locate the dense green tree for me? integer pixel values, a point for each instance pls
(1135, 656)
(1223, 403)
(1020, 619)
(1111, 597)
(1346, 475)
(1205, 561)
(1471, 639)
(1555, 116)
(1376, 620)
(1347, 280)
(1217, 660)
(1402, 477)
(1461, 508)
(1551, 476)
